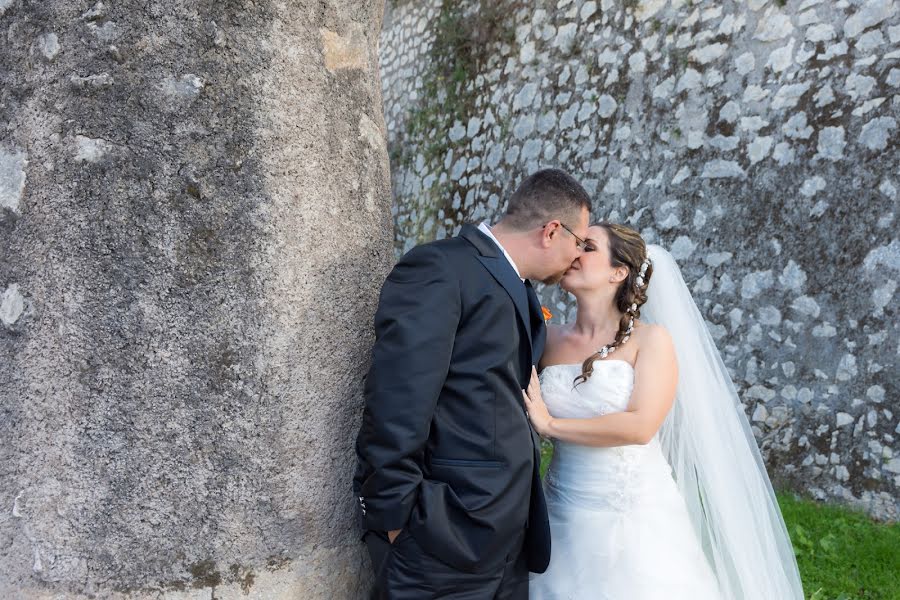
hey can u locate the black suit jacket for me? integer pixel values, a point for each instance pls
(445, 449)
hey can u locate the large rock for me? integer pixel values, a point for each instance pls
(194, 223)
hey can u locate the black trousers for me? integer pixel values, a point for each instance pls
(404, 571)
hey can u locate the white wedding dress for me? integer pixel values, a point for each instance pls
(690, 515)
(620, 528)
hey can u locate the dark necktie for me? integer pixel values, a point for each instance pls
(538, 329)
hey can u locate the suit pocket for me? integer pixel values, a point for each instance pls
(467, 484)
(459, 462)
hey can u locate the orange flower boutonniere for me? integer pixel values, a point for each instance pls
(547, 314)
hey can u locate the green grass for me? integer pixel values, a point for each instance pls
(842, 553)
(546, 454)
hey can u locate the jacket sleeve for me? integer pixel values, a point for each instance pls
(415, 327)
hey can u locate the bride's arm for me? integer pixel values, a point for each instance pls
(655, 378)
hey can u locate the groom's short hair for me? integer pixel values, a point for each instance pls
(544, 196)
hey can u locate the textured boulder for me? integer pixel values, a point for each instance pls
(194, 223)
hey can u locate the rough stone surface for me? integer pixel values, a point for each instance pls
(12, 179)
(194, 224)
(757, 140)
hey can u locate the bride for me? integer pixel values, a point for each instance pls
(656, 489)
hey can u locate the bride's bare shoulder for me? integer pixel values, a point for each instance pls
(651, 335)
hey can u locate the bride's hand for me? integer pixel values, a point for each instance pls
(534, 403)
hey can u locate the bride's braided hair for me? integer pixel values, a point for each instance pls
(628, 249)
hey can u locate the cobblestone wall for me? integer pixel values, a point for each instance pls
(756, 140)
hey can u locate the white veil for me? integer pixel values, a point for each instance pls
(717, 466)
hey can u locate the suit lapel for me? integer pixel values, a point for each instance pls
(503, 272)
(496, 264)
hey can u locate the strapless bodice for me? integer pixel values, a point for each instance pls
(607, 390)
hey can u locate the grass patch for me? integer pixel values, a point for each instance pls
(842, 553)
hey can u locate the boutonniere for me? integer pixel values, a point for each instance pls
(547, 314)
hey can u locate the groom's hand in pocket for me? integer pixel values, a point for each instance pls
(392, 535)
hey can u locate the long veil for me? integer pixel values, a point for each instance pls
(717, 466)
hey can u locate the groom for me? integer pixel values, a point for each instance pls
(448, 480)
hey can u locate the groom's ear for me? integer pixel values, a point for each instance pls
(547, 233)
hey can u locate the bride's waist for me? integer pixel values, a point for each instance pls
(609, 478)
(651, 449)
(586, 465)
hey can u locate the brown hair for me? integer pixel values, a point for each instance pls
(543, 196)
(626, 249)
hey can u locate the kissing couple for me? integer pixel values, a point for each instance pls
(656, 489)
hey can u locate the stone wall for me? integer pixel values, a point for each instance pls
(756, 140)
(194, 225)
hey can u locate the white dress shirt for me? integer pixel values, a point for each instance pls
(486, 230)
